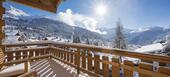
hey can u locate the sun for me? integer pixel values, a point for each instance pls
(101, 9)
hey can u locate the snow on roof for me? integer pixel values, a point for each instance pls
(150, 48)
(32, 40)
(11, 33)
(11, 39)
(50, 38)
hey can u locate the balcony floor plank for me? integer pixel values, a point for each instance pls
(56, 69)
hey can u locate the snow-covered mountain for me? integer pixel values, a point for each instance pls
(12, 12)
(140, 36)
(16, 12)
(42, 26)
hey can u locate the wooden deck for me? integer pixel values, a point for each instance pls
(52, 68)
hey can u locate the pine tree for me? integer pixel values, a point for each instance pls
(119, 41)
(76, 38)
(87, 41)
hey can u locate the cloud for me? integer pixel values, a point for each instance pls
(79, 20)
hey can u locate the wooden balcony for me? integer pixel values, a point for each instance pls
(53, 59)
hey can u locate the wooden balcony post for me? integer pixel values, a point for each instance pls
(72, 57)
(128, 72)
(2, 24)
(68, 56)
(27, 67)
(97, 64)
(77, 60)
(89, 61)
(115, 67)
(83, 59)
(147, 67)
(105, 67)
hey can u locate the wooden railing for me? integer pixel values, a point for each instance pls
(93, 60)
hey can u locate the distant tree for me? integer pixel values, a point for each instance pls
(119, 41)
(166, 48)
(96, 43)
(76, 38)
(87, 41)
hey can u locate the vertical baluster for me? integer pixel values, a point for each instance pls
(128, 72)
(61, 54)
(55, 50)
(31, 53)
(105, 66)
(18, 55)
(43, 52)
(72, 57)
(83, 59)
(75, 57)
(78, 60)
(24, 54)
(46, 51)
(58, 50)
(9, 56)
(64, 54)
(90, 61)
(145, 66)
(68, 56)
(97, 64)
(36, 52)
(115, 67)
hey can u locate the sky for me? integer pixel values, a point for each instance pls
(132, 13)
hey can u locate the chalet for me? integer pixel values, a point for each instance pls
(152, 48)
(157, 48)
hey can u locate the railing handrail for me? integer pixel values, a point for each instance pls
(28, 43)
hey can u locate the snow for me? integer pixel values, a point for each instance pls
(150, 48)
(50, 38)
(140, 30)
(11, 33)
(12, 70)
(16, 12)
(32, 40)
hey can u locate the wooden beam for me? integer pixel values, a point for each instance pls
(2, 10)
(48, 5)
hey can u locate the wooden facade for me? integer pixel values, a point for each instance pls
(2, 34)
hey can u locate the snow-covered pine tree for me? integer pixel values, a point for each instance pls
(119, 41)
(76, 38)
(87, 41)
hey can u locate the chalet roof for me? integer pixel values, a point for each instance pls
(150, 48)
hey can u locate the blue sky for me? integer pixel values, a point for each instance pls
(132, 13)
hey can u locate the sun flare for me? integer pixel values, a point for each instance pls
(101, 9)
